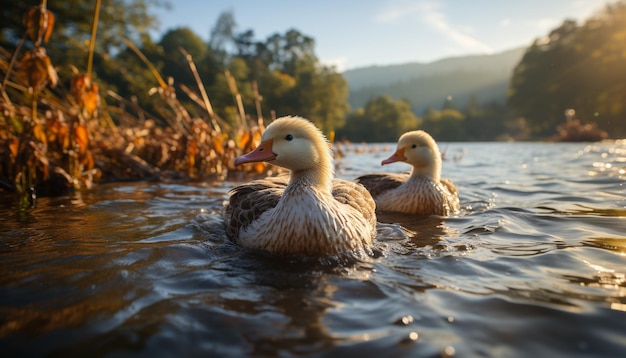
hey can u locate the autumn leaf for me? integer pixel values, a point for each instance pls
(259, 167)
(82, 138)
(13, 146)
(244, 139)
(86, 93)
(218, 143)
(39, 22)
(36, 70)
(39, 133)
(88, 160)
(63, 136)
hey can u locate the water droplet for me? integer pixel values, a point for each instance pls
(449, 351)
(411, 338)
(404, 320)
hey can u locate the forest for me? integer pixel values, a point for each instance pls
(85, 80)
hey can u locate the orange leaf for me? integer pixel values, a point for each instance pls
(39, 133)
(259, 167)
(39, 22)
(13, 146)
(63, 136)
(192, 148)
(86, 93)
(36, 70)
(91, 99)
(218, 143)
(82, 138)
(88, 160)
(243, 139)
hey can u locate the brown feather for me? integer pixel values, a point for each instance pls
(422, 191)
(377, 183)
(307, 212)
(248, 201)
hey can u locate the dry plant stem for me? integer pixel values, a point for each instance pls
(131, 103)
(180, 112)
(92, 43)
(205, 97)
(232, 85)
(257, 102)
(11, 64)
(154, 71)
(194, 97)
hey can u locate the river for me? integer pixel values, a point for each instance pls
(534, 265)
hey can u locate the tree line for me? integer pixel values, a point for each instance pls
(576, 66)
(579, 67)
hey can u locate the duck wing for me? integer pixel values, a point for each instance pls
(378, 183)
(450, 186)
(357, 196)
(249, 201)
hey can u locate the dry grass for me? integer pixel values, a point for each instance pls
(53, 142)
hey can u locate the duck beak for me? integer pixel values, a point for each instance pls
(262, 153)
(398, 156)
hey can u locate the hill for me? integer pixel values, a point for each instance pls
(486, 77)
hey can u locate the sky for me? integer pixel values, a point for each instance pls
(358, 33)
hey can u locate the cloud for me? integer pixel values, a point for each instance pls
(397, 13)
(437, 20)
(339, 63)
(543, 24)
(430, 13)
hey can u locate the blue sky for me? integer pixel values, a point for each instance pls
(357, 33)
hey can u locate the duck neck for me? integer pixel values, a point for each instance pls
(432, 169)
(320, 177)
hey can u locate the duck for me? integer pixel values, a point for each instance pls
(422, 191)
(307, 211)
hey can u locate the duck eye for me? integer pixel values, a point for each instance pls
(289, 137)
(414, 146)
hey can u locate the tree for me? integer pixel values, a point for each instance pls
(174, 63)
(579, 67)
(223, 36)
(444, 125)
(293, 82)
(118, 19)
(484, 122)
(382, 120)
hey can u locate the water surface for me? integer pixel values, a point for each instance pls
(534, 265)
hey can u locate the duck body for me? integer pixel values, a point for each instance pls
(307, 212)
(420, 192)
(420, 195)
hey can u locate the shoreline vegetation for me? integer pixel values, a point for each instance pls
(55, 140)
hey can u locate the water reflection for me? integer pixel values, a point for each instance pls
(146, 270)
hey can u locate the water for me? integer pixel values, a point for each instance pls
(534, 265)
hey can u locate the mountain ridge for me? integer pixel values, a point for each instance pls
(485, 77)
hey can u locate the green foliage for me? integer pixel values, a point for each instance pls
(382, 120)
(578, 67)
(288, 74)
(485, 122)
(69, 42)
(446, 124)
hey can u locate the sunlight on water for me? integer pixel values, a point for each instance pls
(534, 265)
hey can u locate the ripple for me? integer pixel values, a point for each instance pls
(142, 269)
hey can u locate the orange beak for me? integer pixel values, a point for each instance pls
(398, 156)
(262, 153)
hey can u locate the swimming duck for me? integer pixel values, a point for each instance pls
(422, 191)
(307, 212)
